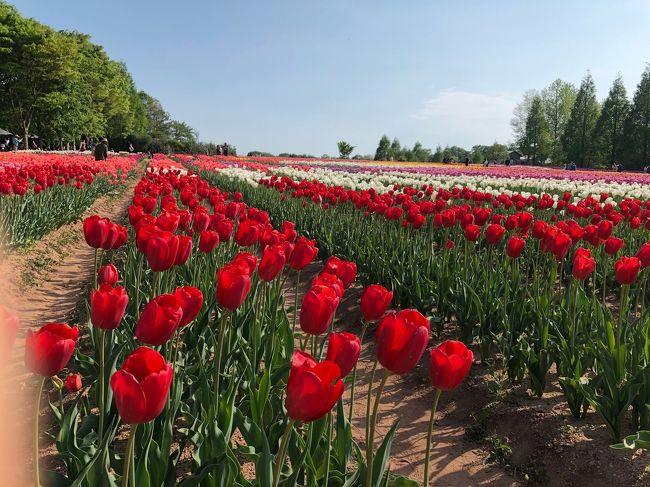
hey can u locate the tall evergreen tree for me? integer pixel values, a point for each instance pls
(578, 139)
(637, 127)
(609, 128)
(557, 100)
(381, 154)
(536, 140)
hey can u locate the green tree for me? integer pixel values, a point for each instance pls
(345, 149)
(578, 140)
(35, 64)
(536, 141)
(381, 154)
(420, 153)
(637, 126)
(395, 150)
(557, 100)
(610, 125)
(520, 115)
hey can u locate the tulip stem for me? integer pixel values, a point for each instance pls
(129, 466)
(217, 358)
(279, 460)
(373, 424)
(96, 270)
(369, 398)
(354, 372)
(37, 411)
(329, 443)
(295, 305)
(102, 332)
(434, 407)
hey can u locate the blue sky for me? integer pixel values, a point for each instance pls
(300, 75)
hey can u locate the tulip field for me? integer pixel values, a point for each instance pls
(215, 351)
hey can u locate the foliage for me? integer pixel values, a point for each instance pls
(66, 89)
(609, 128)
(345, 149)
(536, 140)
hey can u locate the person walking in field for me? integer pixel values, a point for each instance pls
(101, 150)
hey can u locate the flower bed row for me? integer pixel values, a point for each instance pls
(41, 192)
(534, 282)
(196, 343)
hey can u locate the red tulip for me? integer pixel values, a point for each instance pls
(539, 229)
(108, 275)
(303, 253)
(161, 250)
(141, 386)
(449, 364)
(233, 285)
(107, 306)
(613, 245)
(208, 241)
(248, 233)
(329, 280)
(401, 339)
(200, 221)
(288, 229)
(313, 388)
(224, 229)
(343, 349)
(73, 383)
(605, 228)
(168, 221)
(583, 264)
(450, 244)
(494, 233)
(272, 263)
(317, 310)
(96, 230)
(644, 255)
(246, 259)
(344, 270)
(159, 320)
(515, 247)
(472, 232)
(626, 269)
(48, 350)
(191, 300)
(184, 249)
(375, 300)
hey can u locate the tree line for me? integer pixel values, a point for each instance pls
(63, 88)
(563, 123)
(388, 150)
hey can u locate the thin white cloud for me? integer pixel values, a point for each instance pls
(466, 118)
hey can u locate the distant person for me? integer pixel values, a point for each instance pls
(467, 161)
(131, 149)
(101, 150)
(572, 166)
(619, 167)
(219, 150)
(150, 151)
(82, 146)
(13, 142)
(225, 149)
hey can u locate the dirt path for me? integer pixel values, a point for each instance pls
(45, 282)
(487, 432)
